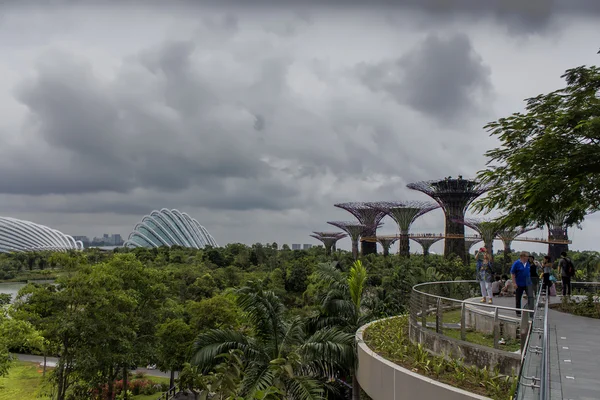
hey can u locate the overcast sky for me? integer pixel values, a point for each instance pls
(256, 120)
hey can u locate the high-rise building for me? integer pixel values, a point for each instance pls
(296, 246)
(306, 246)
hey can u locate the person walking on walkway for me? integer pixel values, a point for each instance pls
(567, 271)
(484, 274)
(522, 279)
(547, 269)
(535, 268)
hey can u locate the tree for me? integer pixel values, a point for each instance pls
(549, 157)
(175, 338)
(279, 353)
(342, 304)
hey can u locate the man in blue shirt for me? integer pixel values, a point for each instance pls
(522, 280)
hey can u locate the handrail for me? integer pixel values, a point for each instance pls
(414, 288)
(545, 375)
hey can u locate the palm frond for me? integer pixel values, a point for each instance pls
(303, 388)
(209, 345)
(332, 346)
(356, 282)
(259, 376)
(265, 311)
(294, 335)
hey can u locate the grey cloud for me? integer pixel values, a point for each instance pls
(443, 78)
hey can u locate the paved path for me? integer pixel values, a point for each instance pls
(51, 361)
(574, 352)
(578, 347)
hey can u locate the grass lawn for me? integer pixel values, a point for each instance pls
(449, 317)
(24, 382)
(483, 339)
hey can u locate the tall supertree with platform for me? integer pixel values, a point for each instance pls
(557, 231)
(454, 196)
(369, 217)
(355, 230)
(386, 242)
(508, 235)
(487, 229)
(329, 239)
(404, 213)
(427, 242)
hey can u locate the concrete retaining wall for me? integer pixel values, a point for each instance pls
(473, 354)
(383, 380)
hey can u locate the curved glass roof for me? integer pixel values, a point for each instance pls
(18, 235)
(167, 228)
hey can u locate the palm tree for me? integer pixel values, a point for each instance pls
(278, 353)
(343, 304)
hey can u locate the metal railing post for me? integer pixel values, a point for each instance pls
(438, 316)
(463, 321)
(496, 329)
(524, 329)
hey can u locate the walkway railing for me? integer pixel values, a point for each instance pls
(445, 305)
(534, 379)
(169, 394)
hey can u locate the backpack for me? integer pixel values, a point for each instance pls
(570, 267)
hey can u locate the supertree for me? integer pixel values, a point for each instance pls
(557, 231)
(507, 235)
(404, 213)
(487, 229)
(355, 230)
(427, 242)
(386, 242)
(367, 216)
(469, 242)
(454, 196)
(329, 239)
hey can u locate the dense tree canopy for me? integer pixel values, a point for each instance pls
(549, 158)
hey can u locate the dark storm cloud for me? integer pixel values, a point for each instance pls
(441, 77)
(89, 135)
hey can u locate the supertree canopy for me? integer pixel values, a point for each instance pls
(454, 195)
(557, 230)
(488, 229)
(404, 213)
(386, 242)
(507, 235)
(367, 216)
(329, 239)
(354, 229)
(426, 242)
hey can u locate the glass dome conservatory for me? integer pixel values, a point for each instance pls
(168, 228)
(17, 235)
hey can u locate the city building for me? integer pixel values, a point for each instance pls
(169, 228)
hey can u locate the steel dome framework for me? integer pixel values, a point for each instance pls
(18, 235)
(168, 228)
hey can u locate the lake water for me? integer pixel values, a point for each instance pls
(11, 288)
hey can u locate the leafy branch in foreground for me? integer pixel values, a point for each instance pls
(549, 158)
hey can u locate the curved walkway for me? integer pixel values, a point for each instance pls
(574, 352)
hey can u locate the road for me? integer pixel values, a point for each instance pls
(51, 361)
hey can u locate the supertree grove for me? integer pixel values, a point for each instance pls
(426, 243)
(404, 213)
(367, 216)
(386, 243)
(557, 232)
(488, 229)
(507, 235)
(454, 195)
(329, 239)
(355, 230)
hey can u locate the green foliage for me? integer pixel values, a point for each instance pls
(549, 158)
(588, 307)
(389, 338)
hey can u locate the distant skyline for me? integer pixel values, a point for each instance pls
(256, 120)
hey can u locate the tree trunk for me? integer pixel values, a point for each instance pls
(111, 382)
(404, 245)
(355, 388)
(59, 375)
(125, 382)
(172, 380)
(44, 369)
